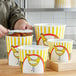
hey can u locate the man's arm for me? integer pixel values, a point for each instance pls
(16, 19)
(3, 31)
(22, 25)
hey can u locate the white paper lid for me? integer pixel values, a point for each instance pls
(20, 31)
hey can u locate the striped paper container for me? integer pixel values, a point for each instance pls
(12, 43)
(33, 58)
(63, 3)
(60, 49)
(50, 31)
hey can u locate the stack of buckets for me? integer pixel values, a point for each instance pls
(52, 35)
(50, 45)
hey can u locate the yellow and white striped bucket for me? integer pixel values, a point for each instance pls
(63, 3)
(60, 49)
(33, 58)
(12, 42)
(50, 31)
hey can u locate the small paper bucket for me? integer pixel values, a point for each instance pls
(12, 42)
(33, 58)
(50, 31)
(60, 49)
(63, 3)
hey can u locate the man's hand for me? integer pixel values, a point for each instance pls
(3, 31)
(22, 25)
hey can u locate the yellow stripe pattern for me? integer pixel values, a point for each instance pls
(38, 31)
(44, 29)
(8, 45)
(53, 30)
(67, 45)
(14, 41)
(41, 53)
(11, 41)
(17, 41)
(22, 41)
(59, 31)
(20, 55)
(41, 29)
(26, 41)
(62, 35)
(49, 30)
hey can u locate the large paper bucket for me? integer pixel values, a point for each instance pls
(63, 3)
(33, 58)
(60, 49)
(50, 31)
(12, 42)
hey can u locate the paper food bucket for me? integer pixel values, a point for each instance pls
(49, 31)
(12, 42)
(33, 58)
(63, 3)
(60, 49)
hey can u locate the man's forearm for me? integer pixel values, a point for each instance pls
(22, 25)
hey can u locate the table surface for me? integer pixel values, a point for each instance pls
(6, 70)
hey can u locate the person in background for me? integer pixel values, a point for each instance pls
(11, 17)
